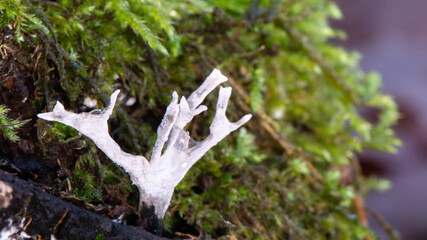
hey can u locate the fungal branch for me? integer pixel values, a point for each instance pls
(172, 156)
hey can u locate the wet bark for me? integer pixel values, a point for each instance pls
(43, 214)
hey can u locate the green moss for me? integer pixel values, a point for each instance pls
(8, 126)
(98, 236)
(85, 180)
(278, 178)
(16, 15)
(62, 132)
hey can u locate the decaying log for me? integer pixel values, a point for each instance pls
(27, 211)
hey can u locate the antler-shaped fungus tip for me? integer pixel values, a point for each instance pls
(214, 79)
(58, 109)
(216, 74)
(172, 156)
(113, 98)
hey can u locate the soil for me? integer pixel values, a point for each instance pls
(21, 75)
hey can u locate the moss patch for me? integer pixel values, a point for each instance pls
(292, 173)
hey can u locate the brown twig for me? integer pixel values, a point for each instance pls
(391, 233)
(37, 62)
(360, 211)
(60, 220)
(187, 236)
(4, 49)
(266, 122)
(27, 224)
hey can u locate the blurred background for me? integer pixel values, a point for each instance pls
(391, 36)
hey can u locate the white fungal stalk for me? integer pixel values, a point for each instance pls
(157, 178)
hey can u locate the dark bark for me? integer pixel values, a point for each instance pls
(47, 215)
(150, 221)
